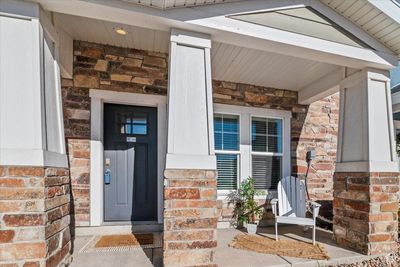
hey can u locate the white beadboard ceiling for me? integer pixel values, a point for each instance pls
(229, 62)
(371, 19)
(165, 4)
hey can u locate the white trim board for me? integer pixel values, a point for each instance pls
(98, 98)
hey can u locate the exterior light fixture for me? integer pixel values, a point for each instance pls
(120, 31)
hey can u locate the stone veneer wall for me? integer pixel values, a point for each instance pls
(313, 127)
(129, 70)
(365, 211)
(76, 108)
(34, 216)
(106, 68)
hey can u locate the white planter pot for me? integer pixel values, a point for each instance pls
(251, 228)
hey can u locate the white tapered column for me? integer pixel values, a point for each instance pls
(190, 174)
(366, 178)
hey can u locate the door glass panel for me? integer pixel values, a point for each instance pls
(139, 126)
(131, 123)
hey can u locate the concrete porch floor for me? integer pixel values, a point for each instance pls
(225, 256)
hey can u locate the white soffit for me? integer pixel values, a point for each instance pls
(305, 21)
(103, 32)
(368, 15)
(229, 62)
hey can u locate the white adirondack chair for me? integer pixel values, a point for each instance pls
(292, 205)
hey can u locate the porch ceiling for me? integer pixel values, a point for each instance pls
(229, 62)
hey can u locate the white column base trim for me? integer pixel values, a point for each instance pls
(201, 162)
(32, 157)
(367, 166)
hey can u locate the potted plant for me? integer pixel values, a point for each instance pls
(246, 210)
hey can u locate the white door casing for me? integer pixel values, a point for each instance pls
(98, 98)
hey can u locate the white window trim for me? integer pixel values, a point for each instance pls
(245, 114)
(98, 98)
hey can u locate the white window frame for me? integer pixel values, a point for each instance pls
(270, 154)
(245, 149)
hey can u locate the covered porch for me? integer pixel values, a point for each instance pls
(186, 103)
(231, 257)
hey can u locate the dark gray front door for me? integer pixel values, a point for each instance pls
(130, 158)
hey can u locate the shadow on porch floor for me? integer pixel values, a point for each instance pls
(141, 257)
(227, 256)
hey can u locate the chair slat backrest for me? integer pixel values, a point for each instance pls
(291, 197)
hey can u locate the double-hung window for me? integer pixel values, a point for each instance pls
(251, 142)
(227, 143)
(266, 152)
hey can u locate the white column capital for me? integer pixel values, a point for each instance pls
(195, 39)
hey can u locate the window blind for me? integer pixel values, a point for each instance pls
(266, 170)
(266, 135)
(227, 166)
(226, 138)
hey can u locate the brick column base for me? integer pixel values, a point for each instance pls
(365, 210)
(190, 217)
(34, 216)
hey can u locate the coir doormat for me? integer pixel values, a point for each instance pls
(290, 248)
(126, 242)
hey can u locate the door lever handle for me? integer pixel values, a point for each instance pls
(107, 176)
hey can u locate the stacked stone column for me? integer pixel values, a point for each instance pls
(34, 216)
(190, 217)
(365, 211)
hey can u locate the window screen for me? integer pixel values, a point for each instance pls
(227, 138)
(266, 141)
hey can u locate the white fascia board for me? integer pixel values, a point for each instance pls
(211, 20)
(19, 9)
(323, 87)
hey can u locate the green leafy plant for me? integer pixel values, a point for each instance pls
(246, 209)
(398, 144)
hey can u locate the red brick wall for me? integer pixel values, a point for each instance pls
(34, 216)
(129, 70)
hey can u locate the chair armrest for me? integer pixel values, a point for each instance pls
(274, 203)
(315, 207)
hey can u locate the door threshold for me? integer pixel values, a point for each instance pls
(113, 229)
